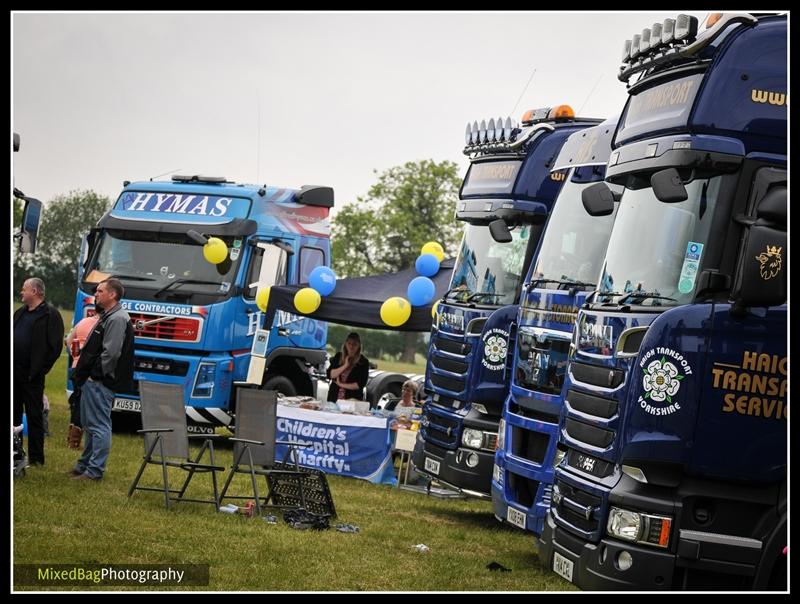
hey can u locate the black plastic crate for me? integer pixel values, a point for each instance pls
(317, 494)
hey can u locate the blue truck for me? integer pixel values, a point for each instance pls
(505, 199)
(568, 262)
(196, 323)
(675, 416)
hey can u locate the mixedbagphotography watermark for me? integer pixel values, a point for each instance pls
(72, 575)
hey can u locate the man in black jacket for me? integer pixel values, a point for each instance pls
(104, 368)
(38, 335)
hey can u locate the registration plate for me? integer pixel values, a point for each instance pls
(431, 465)
(516, 517)
(127, 404)
(562, 566)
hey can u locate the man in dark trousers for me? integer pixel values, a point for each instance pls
(104, 368)
(38, 335)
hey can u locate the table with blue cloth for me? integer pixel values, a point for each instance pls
(341, 443)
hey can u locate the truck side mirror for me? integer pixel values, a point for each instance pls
(499, 231)
(29, 229)
(668, 186)
(760, 278)
(598, 199)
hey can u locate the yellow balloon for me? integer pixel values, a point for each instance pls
(262, 299)
(215, 251)
(395, 311)
(433, 248)
(434, 308)
(307, 300)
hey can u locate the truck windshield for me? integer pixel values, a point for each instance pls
(573, 245)
(487, 272)
(656, 248)
(166, 263)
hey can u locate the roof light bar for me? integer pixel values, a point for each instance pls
(672, 41)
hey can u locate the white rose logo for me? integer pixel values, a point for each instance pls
(496, 348)
(662, 381)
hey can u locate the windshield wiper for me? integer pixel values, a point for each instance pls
(563, 281)
(134, 277)
(487, 294)
(644, 296)
(181, 282)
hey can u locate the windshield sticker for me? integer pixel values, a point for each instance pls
(235, 253)
(224, 287)
(237, 243)
(663, 369)
(691, 262)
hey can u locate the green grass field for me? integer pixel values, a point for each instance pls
(58, 521)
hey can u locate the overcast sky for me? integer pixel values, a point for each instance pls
(102, 98)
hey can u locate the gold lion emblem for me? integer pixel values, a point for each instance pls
(770, 262)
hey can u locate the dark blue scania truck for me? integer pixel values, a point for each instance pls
(675, 418)
(506, 198)
(565, 272)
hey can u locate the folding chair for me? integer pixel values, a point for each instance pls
(254, 454)
(166, 442)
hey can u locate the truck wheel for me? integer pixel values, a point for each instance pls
(281, 384)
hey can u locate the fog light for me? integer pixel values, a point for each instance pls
(624, 560)
(472, 460)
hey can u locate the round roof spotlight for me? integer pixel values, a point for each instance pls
(468, 134)
(482, 132)
(490, 131)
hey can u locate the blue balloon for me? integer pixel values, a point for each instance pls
(323, 280)
(421, 291)
(427, 265)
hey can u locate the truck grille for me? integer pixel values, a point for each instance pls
(165, 327)
(569, 502)
(597, 437)
(592, 405)
(447, 383)
(160, 366)
(452, 346)
(523, 490)
(443, 430)
(452, 365)
(528, 444)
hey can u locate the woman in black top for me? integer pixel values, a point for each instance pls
(349, 371)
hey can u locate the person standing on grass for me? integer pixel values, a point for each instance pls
(104, 368)
(38, 331)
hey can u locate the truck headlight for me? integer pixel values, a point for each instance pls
(638, 527)
(472, 438)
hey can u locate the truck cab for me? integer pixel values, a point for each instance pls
(505, 200)
(196, 323)
(674, 423)
(568, 261)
